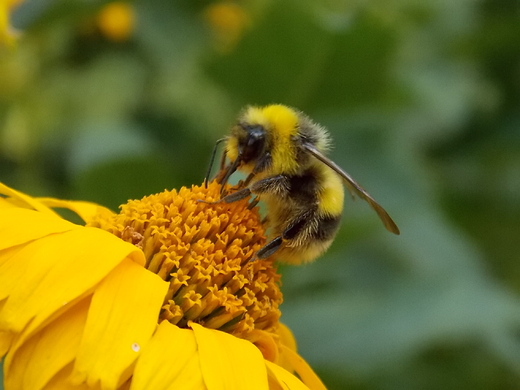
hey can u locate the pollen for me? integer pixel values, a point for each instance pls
(204, 250)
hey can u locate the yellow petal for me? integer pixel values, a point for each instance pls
(303, 369)
(5, 255)
(5, 204)
(6, 338)
(285, 379)
(169, 361)
(45, 276)
(61, 381)
(18, 226)
(25, 200)
(264, 341)
(47, 352)
(121, 320)
(286, 336)
(125, 386)
(86, 210)
(228, 362)
(287, 339)
(273, 383)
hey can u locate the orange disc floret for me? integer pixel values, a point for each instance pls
(203, 250)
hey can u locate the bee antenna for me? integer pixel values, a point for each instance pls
(212, 161)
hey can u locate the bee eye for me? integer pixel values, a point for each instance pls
(254, 142)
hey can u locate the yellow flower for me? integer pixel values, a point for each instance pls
(228, 22)
(159, 296)
(116, 21)
(7, 33)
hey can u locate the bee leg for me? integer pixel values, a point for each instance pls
(292, 231)
(230, 198)
(236, 196)
(223, 160)
(259, 167)
(295, 227)
(268, 249)
(278, 185)
(246, 182)
(226, 172)
(274, 184)
(253, 203)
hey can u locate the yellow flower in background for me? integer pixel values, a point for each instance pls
(159, 296)
(116, 21)
(7, 33)
(228, 22)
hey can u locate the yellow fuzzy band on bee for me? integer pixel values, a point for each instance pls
(331, 197)
(281, 123)
(232, 148)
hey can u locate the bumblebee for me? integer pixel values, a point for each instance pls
(283, 153)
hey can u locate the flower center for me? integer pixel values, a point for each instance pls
(204, 250)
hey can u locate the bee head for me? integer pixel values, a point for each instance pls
(264, 138)
(246, 144)
(252, 142)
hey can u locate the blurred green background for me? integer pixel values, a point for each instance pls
(422, 100)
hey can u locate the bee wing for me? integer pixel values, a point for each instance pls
(354, 187)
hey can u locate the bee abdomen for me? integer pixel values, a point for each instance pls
(312, 240)
(327, 227)
(312, 229)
